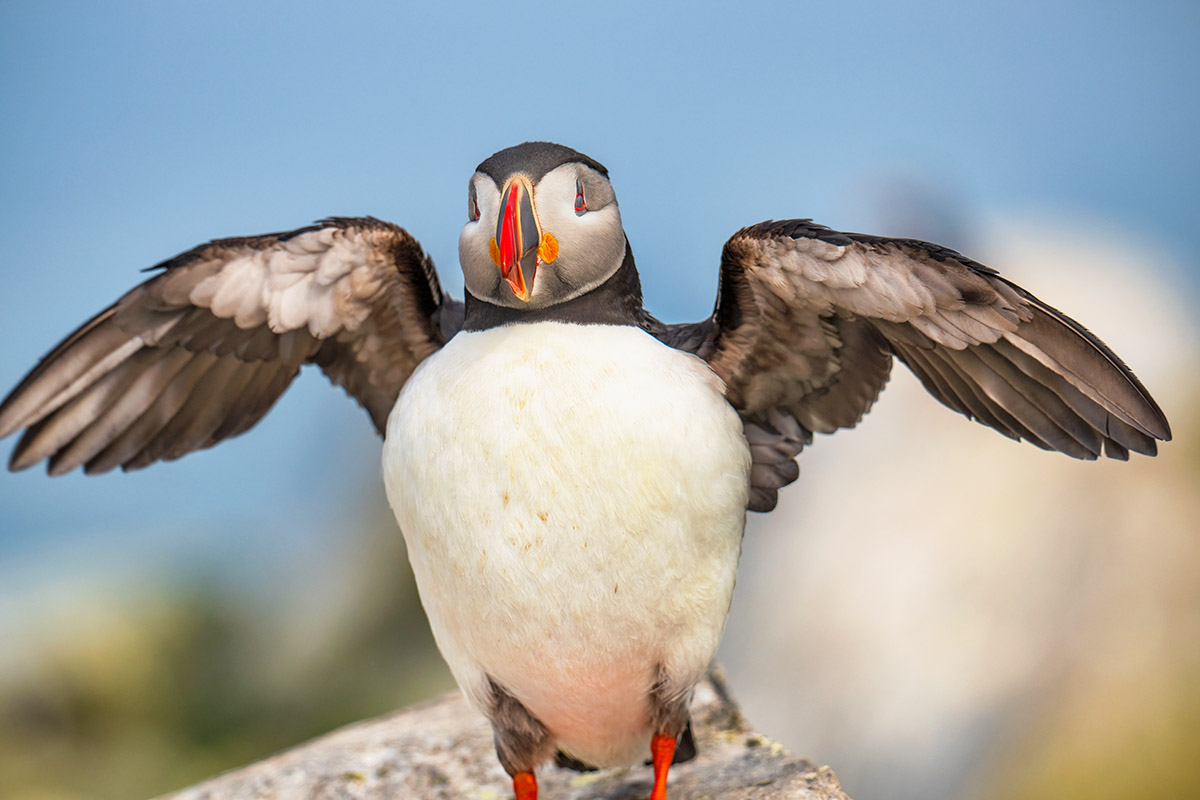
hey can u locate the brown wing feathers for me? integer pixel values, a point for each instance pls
(806, 322)
(808, 318)
(202, 350)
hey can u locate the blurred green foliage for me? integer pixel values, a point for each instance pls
(168, 683)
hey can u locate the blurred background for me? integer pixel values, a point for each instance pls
(934, 611)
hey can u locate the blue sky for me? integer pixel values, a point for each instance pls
(135, 130)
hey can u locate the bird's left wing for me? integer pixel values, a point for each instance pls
(202, 350)
(808, 319)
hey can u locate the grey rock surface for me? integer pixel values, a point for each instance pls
(443, 749)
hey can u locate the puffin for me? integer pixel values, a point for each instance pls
(571, 475)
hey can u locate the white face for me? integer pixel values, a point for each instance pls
(591, 241)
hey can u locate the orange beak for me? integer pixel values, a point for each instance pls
(519, 246)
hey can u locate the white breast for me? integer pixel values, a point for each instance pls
(573, 499)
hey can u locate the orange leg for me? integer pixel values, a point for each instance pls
(662, 750)
(525, 786)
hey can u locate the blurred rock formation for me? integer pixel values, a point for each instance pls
(443, 749)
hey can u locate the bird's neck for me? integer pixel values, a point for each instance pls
(617, 301)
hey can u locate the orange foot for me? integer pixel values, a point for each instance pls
(525, 786)
(662, 750)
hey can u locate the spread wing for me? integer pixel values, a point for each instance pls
(202, 350)
(808, 319)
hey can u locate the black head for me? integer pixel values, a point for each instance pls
(534, 160)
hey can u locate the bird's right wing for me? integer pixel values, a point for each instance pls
(202, 350)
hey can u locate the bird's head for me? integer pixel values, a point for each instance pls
(542, 228)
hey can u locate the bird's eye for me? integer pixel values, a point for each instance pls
(580, 202)
(472, 205)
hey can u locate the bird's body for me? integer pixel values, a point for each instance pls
(573, 499)
(571, 474)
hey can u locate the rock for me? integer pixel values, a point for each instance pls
(443, 749)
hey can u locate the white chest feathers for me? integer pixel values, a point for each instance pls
(573, 499)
